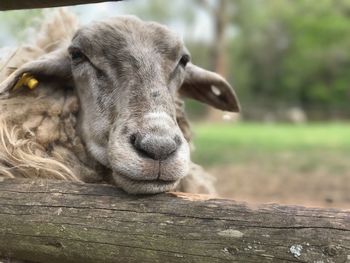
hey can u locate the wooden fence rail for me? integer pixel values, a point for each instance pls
(54, 221)
(27, 4)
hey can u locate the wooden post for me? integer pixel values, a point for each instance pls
(55, 221)
(28, 4)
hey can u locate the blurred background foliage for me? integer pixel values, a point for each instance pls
(289, 62)
(279, 54)
(294, 53)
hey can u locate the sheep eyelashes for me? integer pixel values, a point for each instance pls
(111, 113)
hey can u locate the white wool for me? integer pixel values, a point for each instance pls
(38, 136)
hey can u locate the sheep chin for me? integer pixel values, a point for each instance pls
(143, 186)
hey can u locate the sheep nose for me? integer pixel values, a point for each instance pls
(155, 147)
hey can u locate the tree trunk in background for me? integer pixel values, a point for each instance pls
(218, 48)
(218, 53)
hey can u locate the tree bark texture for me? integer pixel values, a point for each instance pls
(56, 221)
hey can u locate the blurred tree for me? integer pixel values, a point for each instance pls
(278, 53)
(293, 53)
(157, 10)
(14, 25)
(221, 12)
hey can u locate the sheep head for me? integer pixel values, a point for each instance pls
(127, 74)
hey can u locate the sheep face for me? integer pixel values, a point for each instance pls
(127, 74)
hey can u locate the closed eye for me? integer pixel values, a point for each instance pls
(76, 54)
(180, 65)
(184, 60)
(78, 57)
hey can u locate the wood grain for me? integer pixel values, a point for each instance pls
(55, 221)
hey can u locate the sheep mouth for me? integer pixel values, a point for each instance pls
(147, 181)
(137, 186)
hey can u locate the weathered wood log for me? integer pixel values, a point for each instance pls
(28, 4)
(54, 221)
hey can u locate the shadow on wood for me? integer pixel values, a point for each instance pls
(54, 221)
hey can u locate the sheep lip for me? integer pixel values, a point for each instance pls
(151, 181)
(133, 186)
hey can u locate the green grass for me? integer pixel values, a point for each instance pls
(244, 142)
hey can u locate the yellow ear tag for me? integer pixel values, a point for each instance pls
(26, 80)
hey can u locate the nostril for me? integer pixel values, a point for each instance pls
(154, 147)
(138, 142)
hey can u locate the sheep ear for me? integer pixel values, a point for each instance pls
(210, 88)
(54, 65)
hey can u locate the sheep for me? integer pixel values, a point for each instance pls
(108, 107)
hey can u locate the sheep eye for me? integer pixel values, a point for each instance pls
(76, 54)
(184, 60)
